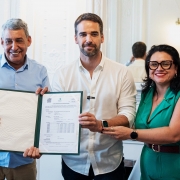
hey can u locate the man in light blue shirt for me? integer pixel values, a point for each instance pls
(18, 72)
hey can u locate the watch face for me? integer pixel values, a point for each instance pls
(134, 135)
(105, 123)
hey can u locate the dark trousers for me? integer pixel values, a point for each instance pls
(24, 172)
(117, 174)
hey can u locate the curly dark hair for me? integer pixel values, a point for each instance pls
(89, 17)
(175, 82)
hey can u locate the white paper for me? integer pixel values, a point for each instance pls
(59, 131)
(17, 120)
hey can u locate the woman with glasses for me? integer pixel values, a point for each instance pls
(157, 122)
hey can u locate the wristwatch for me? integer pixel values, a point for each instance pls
(104, 123)
(134, 135)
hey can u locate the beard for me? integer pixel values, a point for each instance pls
(89, 53)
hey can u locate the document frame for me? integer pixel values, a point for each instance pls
(26, 120)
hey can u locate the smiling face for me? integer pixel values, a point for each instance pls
(161, 76)
(89, 38)
(15, 44)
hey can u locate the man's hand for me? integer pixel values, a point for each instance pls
(32, 152)
(41, 90)
(89, 121)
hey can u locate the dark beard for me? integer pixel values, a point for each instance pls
(89, 53)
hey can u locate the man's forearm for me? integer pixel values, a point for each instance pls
(119, 120)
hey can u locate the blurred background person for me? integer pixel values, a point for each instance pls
(137, 68)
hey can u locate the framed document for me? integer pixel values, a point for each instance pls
(49, 122)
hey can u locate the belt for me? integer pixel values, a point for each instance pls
(166, 149)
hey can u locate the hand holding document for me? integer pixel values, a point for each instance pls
(32, 152)
(49, 122)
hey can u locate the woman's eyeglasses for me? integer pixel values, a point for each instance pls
(153, 65)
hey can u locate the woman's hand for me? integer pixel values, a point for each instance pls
(118, 132)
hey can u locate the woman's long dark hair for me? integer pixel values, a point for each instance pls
(175, 82)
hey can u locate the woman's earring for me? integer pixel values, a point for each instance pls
(175, 75)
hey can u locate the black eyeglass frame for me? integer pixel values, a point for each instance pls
(171, 62)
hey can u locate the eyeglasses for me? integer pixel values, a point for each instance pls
(153, 65)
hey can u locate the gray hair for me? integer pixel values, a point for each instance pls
(15, 24)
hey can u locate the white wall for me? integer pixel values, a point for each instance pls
(125, 22)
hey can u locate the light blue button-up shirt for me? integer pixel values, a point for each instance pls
(28, 78)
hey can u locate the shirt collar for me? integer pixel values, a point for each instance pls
(4, 62)
(100, 65)
(139, 61)
(168, 95)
